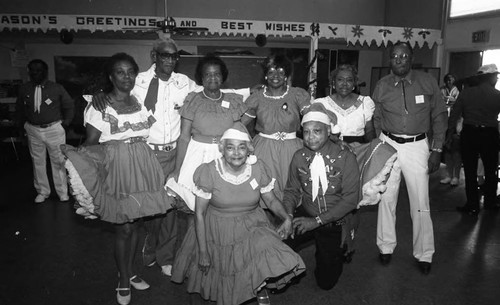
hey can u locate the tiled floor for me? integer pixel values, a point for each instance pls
(51, 256)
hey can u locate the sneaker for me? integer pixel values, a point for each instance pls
(40, 198)
(167, 270)
(445, 180)
(454, 182)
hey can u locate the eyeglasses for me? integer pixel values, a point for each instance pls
(402, 57)
(166, 55)
(273, 71)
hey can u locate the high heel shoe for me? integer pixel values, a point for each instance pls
(139, 284)
(123, 299)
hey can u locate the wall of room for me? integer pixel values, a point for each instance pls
(368, 12)
(458, 36)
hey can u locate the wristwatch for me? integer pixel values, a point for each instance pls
(439, 150)
(319, 221)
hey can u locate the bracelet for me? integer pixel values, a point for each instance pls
(319, 221)
(439, 150)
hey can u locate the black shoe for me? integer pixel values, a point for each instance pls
(425, 267)
(468, 210)
(385, 259)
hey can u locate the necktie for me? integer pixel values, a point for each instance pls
(38, 98)
(318, 175)
(152, 95)
(404, 94)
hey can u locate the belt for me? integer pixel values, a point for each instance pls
(126, 141)
(280, 135)
(46, 125)
(206, 139)
(402, 140)
(351, 139)
(163, 147)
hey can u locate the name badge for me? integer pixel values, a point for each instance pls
(225, 104)
(254, 184)
(419, 99)
(48, 101)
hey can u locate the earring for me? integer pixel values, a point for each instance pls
(265, 77)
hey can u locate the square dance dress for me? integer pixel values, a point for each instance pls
(245, 250)
(120, 179)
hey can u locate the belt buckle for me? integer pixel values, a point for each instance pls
(280, 135)
(399, 140)
(167, 147)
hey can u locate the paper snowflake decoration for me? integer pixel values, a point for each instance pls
(408, 33)
(357, 31)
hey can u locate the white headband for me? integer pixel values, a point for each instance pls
(316, 116)
(235, 134)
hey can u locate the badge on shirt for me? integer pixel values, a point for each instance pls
(419, 99)
(48, 101)
(254, 184)
(225, 104)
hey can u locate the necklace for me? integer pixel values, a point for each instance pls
(212, 99)
(275, 97)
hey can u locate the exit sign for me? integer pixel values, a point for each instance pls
(481, 36)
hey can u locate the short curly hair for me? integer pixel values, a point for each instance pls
(210, 60)
(345, 67)
(278, 61)
(110, 65)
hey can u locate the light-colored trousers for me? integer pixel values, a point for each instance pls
(412, 161)
(41, 140)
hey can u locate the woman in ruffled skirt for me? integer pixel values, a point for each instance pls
(115, 175)
(233, 254)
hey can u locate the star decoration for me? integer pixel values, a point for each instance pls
(408, 33)
(357, 31)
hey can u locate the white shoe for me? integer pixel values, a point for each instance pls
(139, 283)
(167, 270)
(454, 182)
(64, 198)
(123, 299)
(40, 198)
(445, 180)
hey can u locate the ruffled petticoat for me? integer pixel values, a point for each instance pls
(197, 153)
(117, 182)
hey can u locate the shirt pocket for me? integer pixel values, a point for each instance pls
(304, 177)
(334, 176)
(421, 100)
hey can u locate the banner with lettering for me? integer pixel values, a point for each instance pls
(353, 34)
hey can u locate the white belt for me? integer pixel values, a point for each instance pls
(163, 147)
(280, 135)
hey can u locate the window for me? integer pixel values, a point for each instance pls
(460, 8)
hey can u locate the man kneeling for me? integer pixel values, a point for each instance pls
(325, 180)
